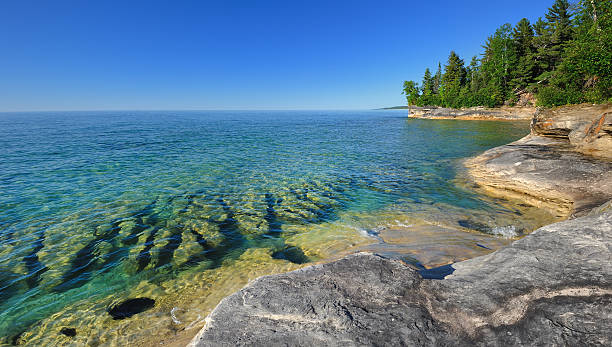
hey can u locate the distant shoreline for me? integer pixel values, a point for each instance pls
(393, 108)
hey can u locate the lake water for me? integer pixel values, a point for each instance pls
(186, 207)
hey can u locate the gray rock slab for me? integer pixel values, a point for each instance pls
(553, 287)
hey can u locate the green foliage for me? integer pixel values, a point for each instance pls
(453, 80)
(438, 79)
(525, 69)
(428, 83)
(498, 62)
(411, 90)
(565, 58)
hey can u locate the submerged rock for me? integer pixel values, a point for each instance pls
(552, 287)
(70, 332)
(292, 254)
(130, 307)
(474, 225)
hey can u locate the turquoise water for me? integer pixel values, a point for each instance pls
(96, 207)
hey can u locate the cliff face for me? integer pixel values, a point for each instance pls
(550, 288)
(587, 128)
(479, 113)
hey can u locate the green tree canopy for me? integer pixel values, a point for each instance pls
(564, 57)
(411, 90)
(452, 80)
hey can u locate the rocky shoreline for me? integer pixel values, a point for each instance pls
(473, 113)
(552, 287)
(549, 168)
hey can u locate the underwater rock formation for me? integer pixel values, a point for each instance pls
(130, 307)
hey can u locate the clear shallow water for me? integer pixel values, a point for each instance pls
(185, 207)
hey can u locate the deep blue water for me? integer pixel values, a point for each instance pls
(144, 196)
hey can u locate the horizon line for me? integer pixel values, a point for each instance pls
(203, 109)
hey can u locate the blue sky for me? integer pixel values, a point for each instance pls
(105, 55)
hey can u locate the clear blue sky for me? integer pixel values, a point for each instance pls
(91, 55)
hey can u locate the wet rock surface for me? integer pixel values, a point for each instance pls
(552, 287)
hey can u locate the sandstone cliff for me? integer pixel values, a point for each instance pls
(479, 113)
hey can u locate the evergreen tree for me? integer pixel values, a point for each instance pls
(585, 73)
(437, 80)
(452, 80)
(523, 74)
(522, 34)
(560, 21)
(540, 44)
(499, 61)
(428, 83)
(473, 75)
(427, 97)
(540, 27)
(564, 58)
(554, 39)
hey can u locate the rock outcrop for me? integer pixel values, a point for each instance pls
(478, 113)
(553, 287)
(587, 128)
(544, 172)
(548, 168)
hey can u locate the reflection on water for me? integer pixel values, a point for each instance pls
(179, 209)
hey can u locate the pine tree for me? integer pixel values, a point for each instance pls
(554, 38)
(522, 34)
(540, 44)
(524, 72)
(428, 83)
(499, 60)
(437, 80)
(560, 21)
(452, 80)
(473, 75)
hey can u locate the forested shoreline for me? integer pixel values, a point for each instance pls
(563, 58)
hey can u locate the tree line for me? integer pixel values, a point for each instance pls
(563, 58)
